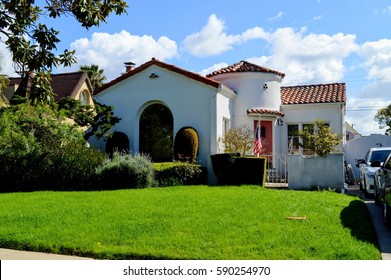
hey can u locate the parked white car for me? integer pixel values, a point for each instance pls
(383, 189)
(368, 166)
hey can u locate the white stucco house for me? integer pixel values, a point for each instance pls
(237, 95)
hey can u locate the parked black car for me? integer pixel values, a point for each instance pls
(382, 191)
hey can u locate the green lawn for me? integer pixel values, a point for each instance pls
(197, 222)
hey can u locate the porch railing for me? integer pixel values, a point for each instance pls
(276, 170)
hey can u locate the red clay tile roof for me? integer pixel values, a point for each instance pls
(65, 84)
(322, 93)
(244, 66)
(262, 111)
(164, 65)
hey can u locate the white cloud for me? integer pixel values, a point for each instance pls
(110, 51)
(363, 105)
(276, 17)
(387, 10)
(308, 57)
(212, 40)
(377, 56)
(319, 17)
(212, 68)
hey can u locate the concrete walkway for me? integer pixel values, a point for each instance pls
(383, 233)
(7, 254)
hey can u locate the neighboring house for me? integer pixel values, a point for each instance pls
(237, 95)
(75, 85)
(351, 133)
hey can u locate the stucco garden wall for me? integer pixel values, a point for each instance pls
(307, 172)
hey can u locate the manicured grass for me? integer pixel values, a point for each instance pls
(197, 222)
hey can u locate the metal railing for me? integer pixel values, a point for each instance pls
(276, 170)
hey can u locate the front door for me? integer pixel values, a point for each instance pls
(266, 136)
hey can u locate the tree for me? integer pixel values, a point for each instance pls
(4, 81)
(238, 140)
(383, 117)
(95, 74)
(33, 44)
(319, 138)
(99, 119)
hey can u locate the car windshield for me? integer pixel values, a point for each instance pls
(380, 155)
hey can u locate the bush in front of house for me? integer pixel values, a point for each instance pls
(223, 167)
(250, 170)
(39, 150)
(186, 145)
(125, 171)
(231, 169)
(179, 173)
(119, 142)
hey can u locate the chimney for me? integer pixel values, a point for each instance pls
(129, 66)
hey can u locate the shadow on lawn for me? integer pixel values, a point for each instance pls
(357, 218)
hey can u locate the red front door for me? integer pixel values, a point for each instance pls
(266, 136)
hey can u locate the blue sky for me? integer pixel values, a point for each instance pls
(311, 41)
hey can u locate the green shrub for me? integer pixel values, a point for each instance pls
(250, 170)
(177, 174)
(223, 167)
(73, 168)
(186, 145)
(117, 142)
(125, 171)
(39, 151)
(231, 169)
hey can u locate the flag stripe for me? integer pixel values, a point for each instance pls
(257, 141)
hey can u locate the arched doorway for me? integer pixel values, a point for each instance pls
(156, 133)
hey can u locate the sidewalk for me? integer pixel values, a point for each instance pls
(7, 254)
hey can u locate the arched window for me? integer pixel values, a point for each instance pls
(84, 98)
(156, 133)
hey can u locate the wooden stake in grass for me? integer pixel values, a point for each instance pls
(297, 218)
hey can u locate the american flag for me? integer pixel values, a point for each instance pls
(257, 141)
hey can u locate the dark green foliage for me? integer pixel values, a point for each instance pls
(100, 118)
(156, 133)
(125, 171)
(177, 174)
(250, 170)
(383, 117)
(38, 151)
(186, 145)
(223, 166)
(33, 45)
(96, 75)
(319, 138)
(231, 169)
(117, 142)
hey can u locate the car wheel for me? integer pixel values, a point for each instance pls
(387, 214)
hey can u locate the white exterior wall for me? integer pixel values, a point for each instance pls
(250, 92)
(224, 112)
(191, 103)
(332, 113)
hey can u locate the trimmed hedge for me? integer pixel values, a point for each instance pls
(176, 174)
(231, 169)
(186, 145)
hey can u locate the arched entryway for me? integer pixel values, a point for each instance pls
(156, 132)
